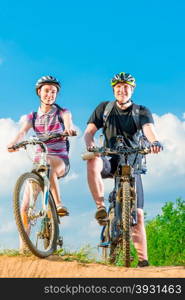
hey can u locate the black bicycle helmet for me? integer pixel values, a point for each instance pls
(123, 77)
(47, 80)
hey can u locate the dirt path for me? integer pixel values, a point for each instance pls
(56, 267)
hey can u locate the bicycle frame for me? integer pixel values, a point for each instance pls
(42, 168)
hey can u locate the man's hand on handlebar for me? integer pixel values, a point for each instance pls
(91, 148)
(156, 147)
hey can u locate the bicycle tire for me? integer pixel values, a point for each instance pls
(19, 222)
(114, 251)
(105, 249)
(116, 242)
(107, 236)
(126, 215)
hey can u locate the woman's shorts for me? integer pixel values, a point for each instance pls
(67, 167)
(109, 168)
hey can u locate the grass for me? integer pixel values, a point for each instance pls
(83, 255)
(9, 252)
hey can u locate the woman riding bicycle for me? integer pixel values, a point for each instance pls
(49, 119)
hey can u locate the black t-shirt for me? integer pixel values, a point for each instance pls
(120, 122)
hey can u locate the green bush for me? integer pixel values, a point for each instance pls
(166, 235)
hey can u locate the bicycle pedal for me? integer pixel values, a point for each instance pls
(60, 243)
(63, 214)
(104, 244)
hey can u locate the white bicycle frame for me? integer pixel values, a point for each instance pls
(43, 169)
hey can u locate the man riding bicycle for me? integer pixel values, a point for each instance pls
(120, 121)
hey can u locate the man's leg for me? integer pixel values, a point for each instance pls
(138, 232)
(94, 168)
(139, 237)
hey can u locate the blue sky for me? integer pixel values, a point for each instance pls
(84, 44)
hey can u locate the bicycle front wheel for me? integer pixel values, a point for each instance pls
(38, 230)
(126, 215)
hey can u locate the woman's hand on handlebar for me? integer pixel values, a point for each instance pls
(70, 132)
(11, 148)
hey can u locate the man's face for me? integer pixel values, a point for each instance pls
(48, 93)
(123, 92)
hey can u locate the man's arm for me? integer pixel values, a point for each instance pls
(89, 135)
(151, 135)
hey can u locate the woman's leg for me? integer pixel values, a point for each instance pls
(58, 168)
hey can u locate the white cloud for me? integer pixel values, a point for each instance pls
(12, 164)
(166, 170)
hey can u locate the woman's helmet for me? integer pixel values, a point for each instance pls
(123, 77)
(47, 80)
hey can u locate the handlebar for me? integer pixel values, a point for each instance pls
(102, 151)
(40, 141)
(49, 137)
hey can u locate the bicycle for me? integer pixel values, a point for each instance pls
(33, 204)
(122, 212)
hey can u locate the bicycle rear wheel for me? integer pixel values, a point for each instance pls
(107, 237)
(126, 216)
(39, 232)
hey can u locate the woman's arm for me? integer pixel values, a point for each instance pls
(19, 137)
(68, 123)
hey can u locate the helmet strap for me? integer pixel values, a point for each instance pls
(122, 104)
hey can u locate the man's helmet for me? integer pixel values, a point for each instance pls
(47, 80)
(123, 77)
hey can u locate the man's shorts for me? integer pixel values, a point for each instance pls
(109, 168)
